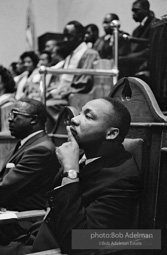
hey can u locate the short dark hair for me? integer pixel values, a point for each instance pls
(114, 16)
(7, 79)
(78, 26)
(32, 55)
(144, 3)
(51, 40)
(93, 27)
(36, 108)
(120, 118)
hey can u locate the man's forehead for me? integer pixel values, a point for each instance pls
(88, 29)
(49, 43)
(98, 105)
(136, 6)
(69, 29)
(21, 106)
(43, 56)
(107, 18)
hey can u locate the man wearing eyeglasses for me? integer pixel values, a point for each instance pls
(29, 172)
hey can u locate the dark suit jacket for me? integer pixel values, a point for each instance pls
(104, 198)
(138, 58)
(24, 186)
(141, 49)
(106, 51)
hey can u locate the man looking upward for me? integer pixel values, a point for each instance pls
(29, 172)
(102, 194)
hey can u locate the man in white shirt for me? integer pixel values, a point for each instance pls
(79, 55)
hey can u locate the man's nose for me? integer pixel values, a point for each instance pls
(65, 39)
(75, 120)
(10, 119)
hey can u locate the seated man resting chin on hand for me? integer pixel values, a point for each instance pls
(102, 194)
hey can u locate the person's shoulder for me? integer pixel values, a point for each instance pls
(20, 76)
(151, 20)
(39, 147)
(43, 137)
(58, 65)
(125, 167)
(99, 40)
(39, 139)
(91, 51)
(101, 37)
(154, 20)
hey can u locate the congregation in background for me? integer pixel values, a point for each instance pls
(90, 181)
(81, 47)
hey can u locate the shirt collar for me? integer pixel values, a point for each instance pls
(87, 161)
(29, 136)
(144, 21)
(107, 37)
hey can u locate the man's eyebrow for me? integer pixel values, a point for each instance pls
(86, 110)
(89, 110)
(15, 109)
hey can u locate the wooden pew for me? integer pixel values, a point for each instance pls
(7, 142)
(10, 216)
(59, 133)
(161, 219)
(4, 112)
(148, 123)
(48, 252)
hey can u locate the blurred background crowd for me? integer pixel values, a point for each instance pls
(77, 44)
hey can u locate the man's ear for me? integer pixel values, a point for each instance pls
(34, 121)
(112, 133)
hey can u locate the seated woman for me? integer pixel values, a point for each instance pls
(25, 82)
(7, 86)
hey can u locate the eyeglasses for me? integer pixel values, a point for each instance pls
(13, 114)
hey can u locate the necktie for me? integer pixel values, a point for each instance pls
(16, 147)
(81, 165)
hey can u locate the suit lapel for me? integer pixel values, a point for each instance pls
(109, 158)
(92, 167)
(21, 149)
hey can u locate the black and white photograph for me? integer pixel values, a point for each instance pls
(83, 127)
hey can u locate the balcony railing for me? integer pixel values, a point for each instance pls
(113, 72)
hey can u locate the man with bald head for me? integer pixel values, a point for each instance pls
(103, 192)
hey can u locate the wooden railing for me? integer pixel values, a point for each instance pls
(113, 72)
(46, 70)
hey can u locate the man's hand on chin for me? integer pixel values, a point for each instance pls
(68, 153)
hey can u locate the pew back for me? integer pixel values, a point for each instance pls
(4, 112)
(149, 124)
